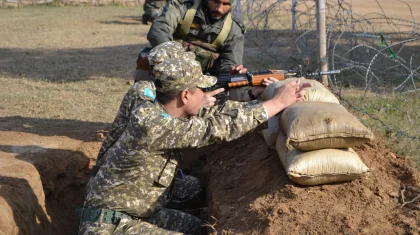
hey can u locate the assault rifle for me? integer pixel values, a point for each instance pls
(256, 78)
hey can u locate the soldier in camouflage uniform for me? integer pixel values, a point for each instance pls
(129, 191)
(152, 9)
(189, 189)
(211, 31)
(141, 90)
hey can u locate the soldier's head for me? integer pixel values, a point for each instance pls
(218, 8)
(179, 84)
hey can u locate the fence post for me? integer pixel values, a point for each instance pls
(322, 39)
(238, 9)
(294, 2)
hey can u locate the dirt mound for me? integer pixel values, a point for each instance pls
(22, 201)
(249, 192)
(42, 180)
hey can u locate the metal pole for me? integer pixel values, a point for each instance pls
(322, 40)
(238, 9)
(294, 16)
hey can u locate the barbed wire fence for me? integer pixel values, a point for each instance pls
(377, 53)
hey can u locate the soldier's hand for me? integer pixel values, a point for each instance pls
(237, 69)
(258, 90)
(208, 99)
(300, 90)
(290, 93)
(285, 96)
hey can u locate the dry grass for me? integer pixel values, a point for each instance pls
(68, 62)
(75, 63)
(91, 100)
(62, 44)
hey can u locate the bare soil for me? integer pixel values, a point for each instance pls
(248, 190)
(43, 176)
(45, 160)
(250, 193)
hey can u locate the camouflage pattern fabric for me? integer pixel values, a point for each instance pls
(149, 57)
(168, 50)
(179, 221)
(140, 91)
(162, 221)
(135, 175)
(176, 75)
(165, 26)
(152, 9)
(186, 193)
(124, 227)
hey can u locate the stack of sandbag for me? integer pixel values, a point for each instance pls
(315, 93)
(314, 139)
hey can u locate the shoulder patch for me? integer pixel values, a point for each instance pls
(165, 115)
(149, 93)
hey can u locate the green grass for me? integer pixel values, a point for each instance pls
(392, 115)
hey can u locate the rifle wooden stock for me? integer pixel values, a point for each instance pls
(257, 80)
(238, 84)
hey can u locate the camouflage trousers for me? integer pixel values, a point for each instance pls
(166, 221)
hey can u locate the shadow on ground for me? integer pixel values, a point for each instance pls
(73, 64)
(79, 130)
(125, 20)
(23, 202)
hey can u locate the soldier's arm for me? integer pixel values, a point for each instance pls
(233, 50)
(164, 26)
(166, 132)
(225, 107)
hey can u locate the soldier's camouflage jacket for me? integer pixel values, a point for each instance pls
(140, 91)
(164, 27)
(135, 173)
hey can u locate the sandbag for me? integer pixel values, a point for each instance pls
(272, 131)
(317, 92)
(322, 166)
(321, 125)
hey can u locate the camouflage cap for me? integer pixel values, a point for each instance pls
(168, 50)
(175, 75)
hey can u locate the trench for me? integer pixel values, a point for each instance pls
(227, 171)
(248, 191)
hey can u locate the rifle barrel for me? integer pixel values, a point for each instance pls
(331, 72)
